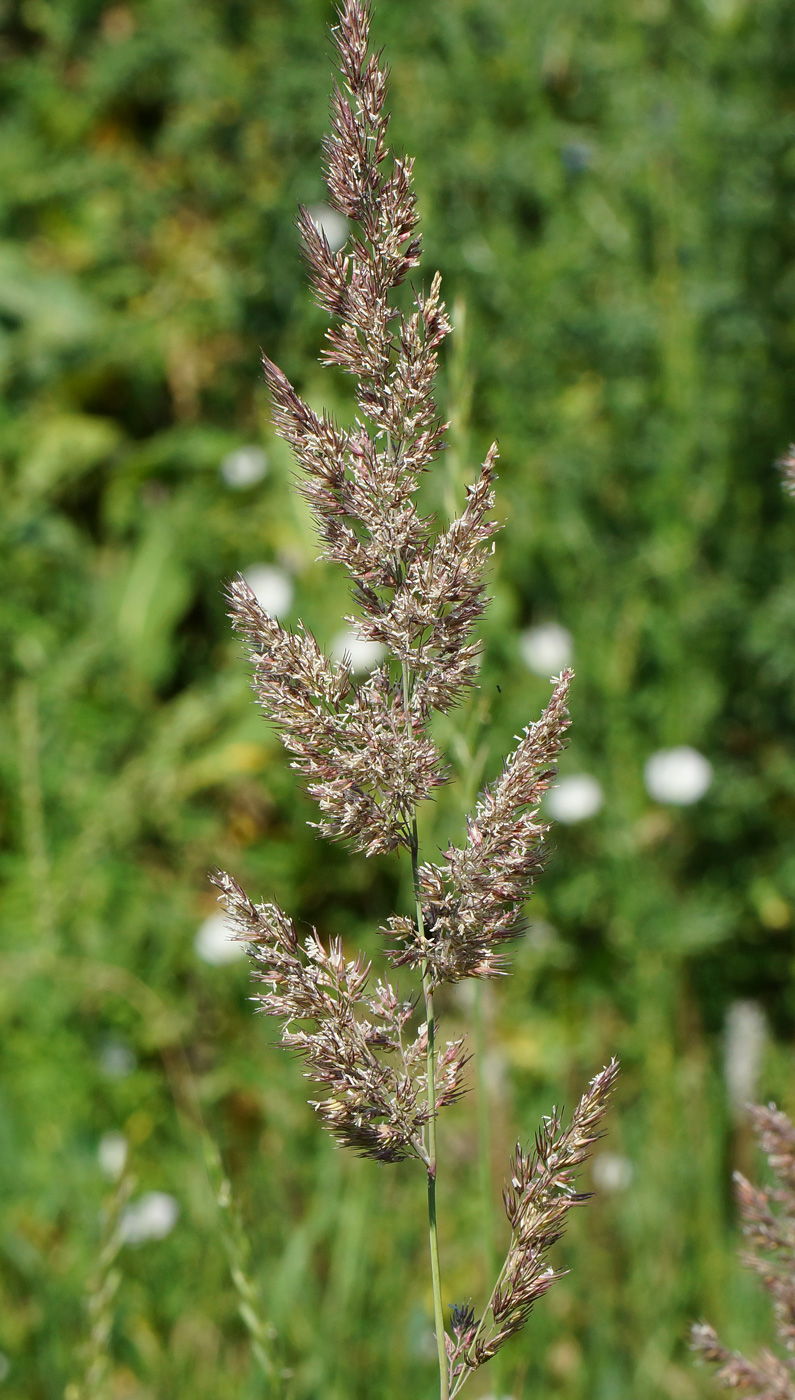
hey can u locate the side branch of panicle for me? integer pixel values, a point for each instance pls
(344, 483)
(429, 620)
(768, 1221)
(537, 1200)
(353, 1041)
(472, 903)
(365, 767)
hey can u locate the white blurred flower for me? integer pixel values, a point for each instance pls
(743, 1050)
(245, 466)
(678, 776)
(362, 654)
(151, 1217)
(541, 935)
(116, 1059)
(546, 649)
(272, 588)
(215, 944)
(5, 1366)
(328, 221)
(112, 1155)
(612, 1172)
(574, 799)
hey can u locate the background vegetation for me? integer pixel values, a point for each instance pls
(607, 187)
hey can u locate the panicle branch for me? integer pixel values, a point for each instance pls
(366, 767)
(472, 902)
(537, 1201)
(768, 1221)
(373, 1075)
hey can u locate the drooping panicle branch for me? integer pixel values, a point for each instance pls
(473, 901)
(768, 1221)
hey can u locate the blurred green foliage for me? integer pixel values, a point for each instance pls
(607, 187)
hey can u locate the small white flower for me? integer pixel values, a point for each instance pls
(328, 221)
(743, 1052)
(546, 649)
(152, 1217)
(215, 943)
(5, 1366)
(574, 799)
(245, 466)
(362, 654)
(112, 1155)
(611, 1172)
(679, 776)
(116, 1060)
(272, 588)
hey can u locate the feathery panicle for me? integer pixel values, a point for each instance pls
(365, 748)
(768, 1220)
(373, 1073)
(472, 903)
(537, 1201)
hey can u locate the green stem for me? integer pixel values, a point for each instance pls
(427, 991)
(33, 809)
(436, 1277)
(484, 1133)
(484, 1159)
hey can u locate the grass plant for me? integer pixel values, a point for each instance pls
(606, 187)
(366, 749)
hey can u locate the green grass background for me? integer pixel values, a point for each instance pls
(608, 187)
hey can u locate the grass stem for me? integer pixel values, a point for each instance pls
(427, 991)
(436, 1278)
